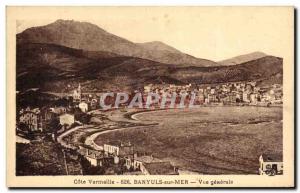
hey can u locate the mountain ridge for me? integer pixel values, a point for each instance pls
(58, 67)
(158, 45)
(242, 58)
(90, 37)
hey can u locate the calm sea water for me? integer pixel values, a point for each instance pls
(208, 140)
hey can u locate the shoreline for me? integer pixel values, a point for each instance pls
(132, 116)
(90, 139)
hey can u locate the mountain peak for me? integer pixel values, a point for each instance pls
(90, 37)
(75, 24)
(64, 21)
(71, 22)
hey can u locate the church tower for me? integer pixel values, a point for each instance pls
(79, 92)
(79, 89)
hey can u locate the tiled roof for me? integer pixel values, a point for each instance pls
(147, 159)
(272, 157)
(160, 168)
(91, 153)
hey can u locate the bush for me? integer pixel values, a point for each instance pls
(43, 158)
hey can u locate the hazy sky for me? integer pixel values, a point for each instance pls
(205, 32)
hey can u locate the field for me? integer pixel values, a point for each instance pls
(208, 140)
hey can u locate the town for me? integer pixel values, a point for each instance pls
(48, 125)
(241, 93)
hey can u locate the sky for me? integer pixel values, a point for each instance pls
(205, 32)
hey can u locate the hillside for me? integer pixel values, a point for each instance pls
(242, 58)
(89, 37)
(268, 67)
(159, 46)
(60, 69)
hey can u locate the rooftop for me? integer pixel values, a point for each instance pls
(147, 159)
(160, 168)
(272, 157)
(90, 153)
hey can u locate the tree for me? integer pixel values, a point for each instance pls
(54, 125)
(23, 127)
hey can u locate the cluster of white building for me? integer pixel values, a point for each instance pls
(123, 154)
(36, 119)
(225, 93)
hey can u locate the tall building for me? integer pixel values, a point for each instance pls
(31, 118)
(77, 94)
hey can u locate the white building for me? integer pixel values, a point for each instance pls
(58, 110)
(270, 164)
(118, 148)
(148, 165)
(77, 94)
(66, 119)
(138, 162)
(246, 97)
(253, 98)
(20, 139)
(31, 118)
(83, 106)
(94, 157)
(148, 88)
(111, 148)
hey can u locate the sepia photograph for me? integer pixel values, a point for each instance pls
(150, 96)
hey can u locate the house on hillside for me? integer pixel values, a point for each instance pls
(58, 110)
(96, 158)
(270, 164)
(112, 148)
(21, 139)
(30, 118)
(119, 150)
(253, 98)
(246, 97)
(148, 165)
(66, 119)
(159, 168)
(139, 161)
(83, 106)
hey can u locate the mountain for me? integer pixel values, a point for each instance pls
(159, 51)
(242, 58)
(58, 68)
(159, 46)
(268, 68)
(89, 37)
(53, 67)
